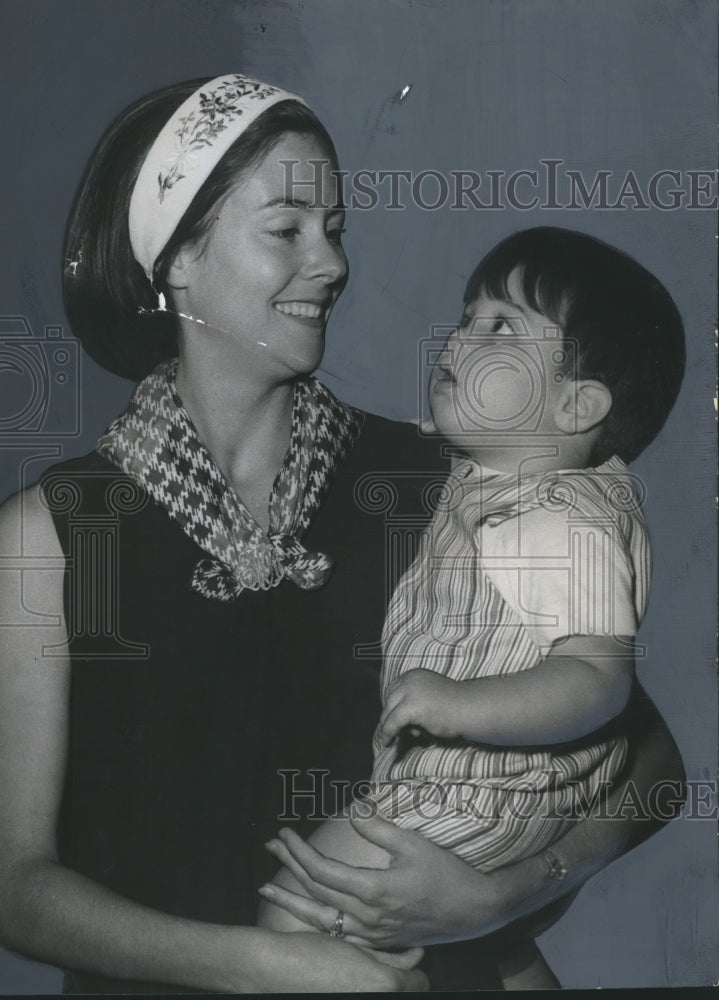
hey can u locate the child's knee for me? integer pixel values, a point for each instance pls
(338, 839)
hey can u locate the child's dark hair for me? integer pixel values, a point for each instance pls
(627, 331)
(109, 301)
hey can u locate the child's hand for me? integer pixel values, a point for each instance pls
(420, 698)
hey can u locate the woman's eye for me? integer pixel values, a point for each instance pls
(335, 236)
(284, 234)
(465, 320)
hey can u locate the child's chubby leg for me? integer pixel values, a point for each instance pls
(519, 960)
(525, 968)
(336, 839)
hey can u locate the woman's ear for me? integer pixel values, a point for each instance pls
(581, 406)
(178, 272)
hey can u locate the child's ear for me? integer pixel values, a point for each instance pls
(581, 406)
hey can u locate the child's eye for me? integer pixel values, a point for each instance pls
(501, 325)
(284, 234)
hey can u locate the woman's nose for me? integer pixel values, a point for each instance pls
(326, 260)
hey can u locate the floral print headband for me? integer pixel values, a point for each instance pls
(185, 153)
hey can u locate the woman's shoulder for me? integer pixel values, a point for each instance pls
(26, 526)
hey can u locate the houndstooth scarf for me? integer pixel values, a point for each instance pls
(156, 444)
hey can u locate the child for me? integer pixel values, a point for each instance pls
(508, 644)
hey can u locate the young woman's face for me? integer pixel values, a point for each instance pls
(265, 280)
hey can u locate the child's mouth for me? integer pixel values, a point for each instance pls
(445, 374)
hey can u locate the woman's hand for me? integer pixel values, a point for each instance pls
(427, 895)
(308, 963)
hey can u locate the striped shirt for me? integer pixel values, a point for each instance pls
(506, 568)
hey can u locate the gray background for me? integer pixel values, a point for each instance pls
(495, 85)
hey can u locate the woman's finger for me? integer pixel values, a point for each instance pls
(317, 891)
(326, 871)
(279, 849)
(310, 911)
(314, 888)
(356, 906)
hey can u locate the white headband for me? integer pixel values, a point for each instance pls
(185, 153)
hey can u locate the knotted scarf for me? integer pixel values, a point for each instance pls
(155, 443)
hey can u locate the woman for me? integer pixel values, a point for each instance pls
(192, 683)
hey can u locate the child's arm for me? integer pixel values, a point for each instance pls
(583, 683)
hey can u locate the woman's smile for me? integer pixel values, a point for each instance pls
(312, 311)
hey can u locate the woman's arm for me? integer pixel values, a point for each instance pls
(56, 915)
(428, 895)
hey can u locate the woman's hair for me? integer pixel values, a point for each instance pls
(111, 305)
(623, 327)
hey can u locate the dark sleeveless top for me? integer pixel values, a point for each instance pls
(198, 728)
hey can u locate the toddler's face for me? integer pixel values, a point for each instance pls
(498, 378)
